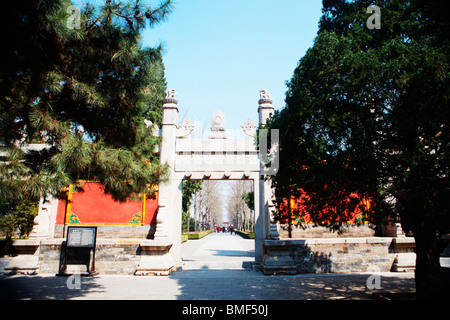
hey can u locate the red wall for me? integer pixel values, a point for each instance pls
(300, 214)
(91, 205)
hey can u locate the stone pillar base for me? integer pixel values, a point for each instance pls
(405, 258)
(445, 255)
(393, 229)
(274, 234)
(27, 262)
(155, 258)
(278, 258)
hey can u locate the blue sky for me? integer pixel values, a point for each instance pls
(219, 54)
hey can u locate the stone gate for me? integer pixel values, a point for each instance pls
(128, 249)
(217, 157)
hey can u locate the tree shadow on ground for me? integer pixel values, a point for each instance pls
(251, 285)
(232, 253)
(46, 287)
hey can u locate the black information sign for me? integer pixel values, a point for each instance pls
(80, 240)
(81, 237)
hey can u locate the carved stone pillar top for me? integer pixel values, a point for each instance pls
(170, 109)
(265, 108)
(171, 97)
(264, 97)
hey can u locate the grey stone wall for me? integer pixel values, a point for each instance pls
(325, 255)
(334, 255)
(112, 256)
(343, 255)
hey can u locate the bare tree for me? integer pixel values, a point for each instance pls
(208, 204)
(238, 211)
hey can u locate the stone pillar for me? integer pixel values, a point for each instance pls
(167, 156)
(265, 111)
(259, 223)
(276, 255)
(160, 256)
(44, 222)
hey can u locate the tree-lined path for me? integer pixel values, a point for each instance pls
(218, 251)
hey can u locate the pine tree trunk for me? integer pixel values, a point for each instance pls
(427, 259)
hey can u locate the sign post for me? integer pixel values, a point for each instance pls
(81, 238)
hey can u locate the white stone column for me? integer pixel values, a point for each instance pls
(260, 234)
(167, 190)
(161, 255)
(266, 110)
(176, 219)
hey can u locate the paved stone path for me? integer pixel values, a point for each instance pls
(218, 251)
(209, 281)
(204, 285)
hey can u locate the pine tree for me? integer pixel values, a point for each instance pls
(367, 113)
(83, 92)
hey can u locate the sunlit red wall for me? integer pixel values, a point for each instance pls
(89, 205)
(300, 214)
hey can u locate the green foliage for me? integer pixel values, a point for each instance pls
(190, 187)
(18, 216)
(246, 235)
(367, 113)
(84, 92)
(249, 199)
(198, 235)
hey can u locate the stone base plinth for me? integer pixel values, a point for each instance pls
(27, 260)
(155, 258)
(278, 258)
(405, 258)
